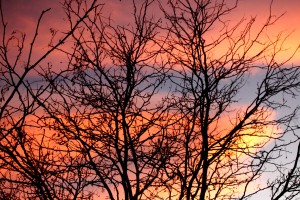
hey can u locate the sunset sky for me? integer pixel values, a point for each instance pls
(22, 15)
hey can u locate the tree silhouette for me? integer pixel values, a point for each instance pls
(159, 108)
(217, 158)
(30, 168)
(104, 107)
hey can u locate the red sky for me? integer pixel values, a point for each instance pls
(23, 15)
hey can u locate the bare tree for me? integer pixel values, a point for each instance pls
(222, 144)
(153, 109)
(29, 168)
(105, 104)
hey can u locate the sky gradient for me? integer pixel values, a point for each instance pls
(22, 15)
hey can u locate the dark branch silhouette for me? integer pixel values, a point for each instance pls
(159, 108)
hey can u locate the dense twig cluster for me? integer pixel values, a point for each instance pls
(150, 110)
